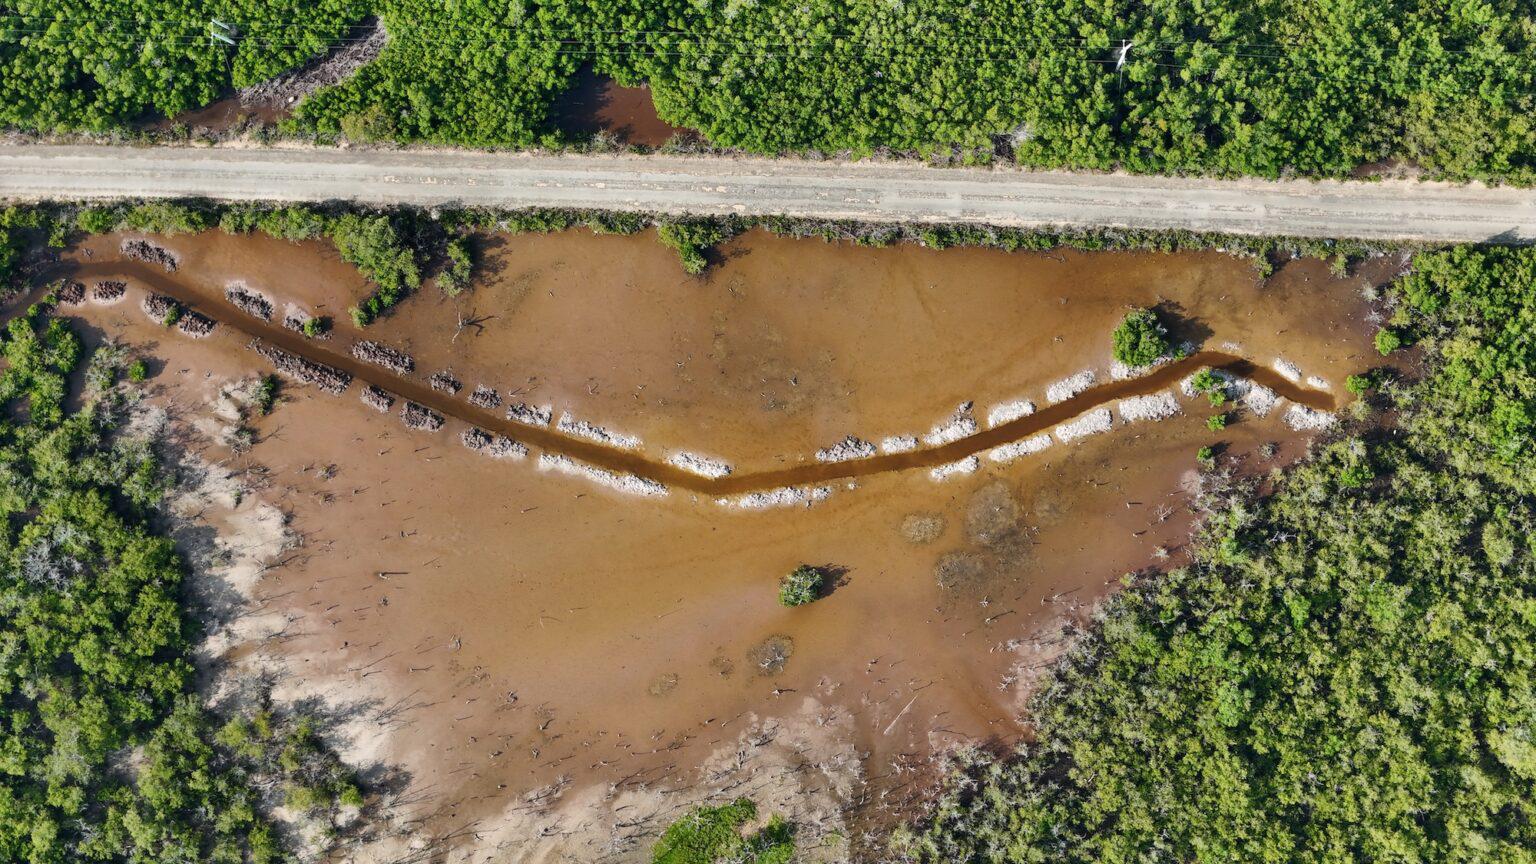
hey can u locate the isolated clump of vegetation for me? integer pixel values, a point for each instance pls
(455, 277)
(1389, 339)
(716, 835)
(770, 656)
(1342, 671)
(316, 326)
(1214, 387)
(1140, 338)
(266, 393)
(692, 239)
(801, 585)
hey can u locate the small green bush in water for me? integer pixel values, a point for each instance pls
(1388, 340)
(317, 326)
(1208, 382)
(691, 239)
(1216, 422)
(1141, 338)
(707, 835)
(461, 266)
(137, 371)
(801, 586)
(266, 397)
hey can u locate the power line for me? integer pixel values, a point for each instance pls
(583, 35)
(710, 47)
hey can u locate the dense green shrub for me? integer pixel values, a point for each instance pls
(714, 835)
(98, 220)
(1388, 340)
(1343, 673)
(292, 223)
(1212, 385)
(1250, 88)
(106, 752)
(373, 245)
(1140, 339)
(153, 217)
(476, 73)
(266, 393)
(317, 326)
(692, 239)
(456, 275)
(15, 225)
(801, 586)
(101, 64)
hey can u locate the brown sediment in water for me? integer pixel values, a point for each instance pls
(510, 633)
(629, 462)
(225, 115)
(596, 103)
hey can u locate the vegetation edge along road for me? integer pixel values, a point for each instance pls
(1383, 210)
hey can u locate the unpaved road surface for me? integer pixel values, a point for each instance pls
(1388, 210)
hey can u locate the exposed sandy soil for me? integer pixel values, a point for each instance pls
(560, 669)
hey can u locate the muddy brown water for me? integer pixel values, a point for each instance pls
(624, 461)
(223, 115)
(532, 629)
(596, 103)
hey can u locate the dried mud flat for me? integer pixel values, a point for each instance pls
(558, 670)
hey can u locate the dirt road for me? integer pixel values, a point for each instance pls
(832, 190)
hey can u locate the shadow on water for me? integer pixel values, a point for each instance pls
(596, 103)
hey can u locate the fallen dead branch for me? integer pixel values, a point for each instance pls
(383, 355)
(250, 302)
(159, 307)
(377, 399)
(71, 293)
(476, 439)
(444, 382)
(421, 418)
(196, 325)
(485, 397)
(327, 378)
(289, 87)
(109, 291)
(143, 250)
